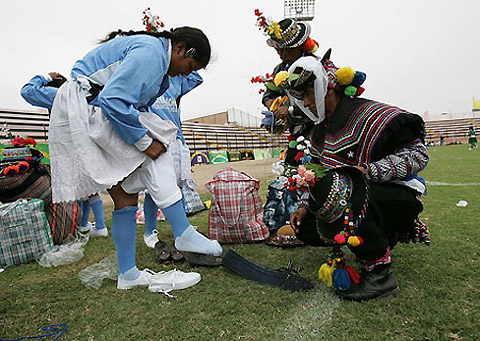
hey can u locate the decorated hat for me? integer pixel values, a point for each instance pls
(293, 34)
(340, 200)
(287, 33)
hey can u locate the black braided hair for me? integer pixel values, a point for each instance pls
(192, 37)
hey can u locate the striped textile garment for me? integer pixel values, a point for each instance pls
(365, 132)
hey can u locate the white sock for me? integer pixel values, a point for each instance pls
(192, 241)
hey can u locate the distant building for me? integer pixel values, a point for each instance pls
(230, 117)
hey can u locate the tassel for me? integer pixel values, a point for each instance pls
(354, 276)
(341, 279)
(325, 273)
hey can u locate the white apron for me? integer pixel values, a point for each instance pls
(87, 156)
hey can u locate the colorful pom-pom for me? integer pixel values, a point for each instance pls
(11, 170)
(325, 273)
(350, 90)
(299, 156)
(345, 75)
(359, 78)
(359, 92)
(355, 241)
(23, 166)
(307, 159)
(341, 279)
(310, 45)
(292, 144)
(340, 239)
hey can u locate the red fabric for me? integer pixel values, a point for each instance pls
(236, 213)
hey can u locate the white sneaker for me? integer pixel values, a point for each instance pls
(98, 232)
(85, 228)
(142, 280)
(173, 280)
(151, 239)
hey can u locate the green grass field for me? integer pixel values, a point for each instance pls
(439, 298)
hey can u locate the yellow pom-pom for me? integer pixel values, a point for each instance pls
(325, 273)
(345, 75)
(353, 241)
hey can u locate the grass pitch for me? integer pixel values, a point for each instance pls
(439, 295)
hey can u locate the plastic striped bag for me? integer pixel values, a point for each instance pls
(236, 213)
(24, 232)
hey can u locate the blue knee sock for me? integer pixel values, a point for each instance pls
(177, 218)
(124, 228)
(97, 207)
(85, 206)
(150, 210)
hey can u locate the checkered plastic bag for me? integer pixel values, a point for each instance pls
(193, 202)
(236, 213)
(24, 232)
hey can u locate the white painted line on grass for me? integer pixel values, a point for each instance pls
(436, 183)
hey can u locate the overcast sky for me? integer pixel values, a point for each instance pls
(418, 54)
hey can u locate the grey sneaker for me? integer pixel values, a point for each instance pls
(86, 228)
(98, 232)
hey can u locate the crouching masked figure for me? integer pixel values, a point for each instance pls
(375, 201)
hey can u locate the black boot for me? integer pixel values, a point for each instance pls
(379, 282)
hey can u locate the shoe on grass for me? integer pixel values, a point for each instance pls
(143, 280)
(98, 232)
(151, 239)
(85, 228)
(165, 282)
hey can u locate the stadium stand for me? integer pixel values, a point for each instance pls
(201, 137)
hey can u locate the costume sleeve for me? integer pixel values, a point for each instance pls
(404, 162)
(36, 93)
(190, 82)
(132, 86)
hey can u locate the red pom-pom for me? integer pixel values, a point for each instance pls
(23, 166)
(360, 91)
(290, 137)
(299, 156)
(11, 170)
(340, 239)
(309, 45)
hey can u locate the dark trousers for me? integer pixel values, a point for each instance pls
(392, 210)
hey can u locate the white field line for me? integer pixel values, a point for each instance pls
(436, 183)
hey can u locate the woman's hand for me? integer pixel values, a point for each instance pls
(155, 149)
(297, 217)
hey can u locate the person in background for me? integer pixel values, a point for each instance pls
(291, 40)
(383, 143)
(40, 91)
(472, 138)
